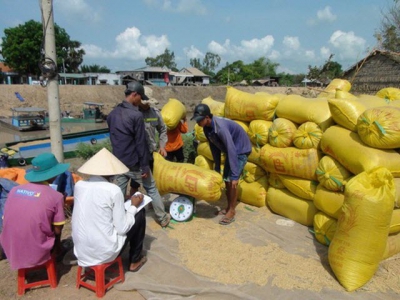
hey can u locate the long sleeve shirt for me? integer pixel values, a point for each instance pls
(99, 221)
(226, 136)
(175, 141)
(128, 136)
(155, 125)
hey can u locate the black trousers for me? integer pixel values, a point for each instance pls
(178, 154)
(135, 237)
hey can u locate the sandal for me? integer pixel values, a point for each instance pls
(226, 221)
(221, 212)
(143, 260)
(165, 222)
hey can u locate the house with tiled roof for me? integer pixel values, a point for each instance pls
(8, 76)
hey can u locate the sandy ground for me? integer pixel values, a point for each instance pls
(66, 274)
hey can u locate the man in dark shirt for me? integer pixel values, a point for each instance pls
(225, 136)
(128, 140)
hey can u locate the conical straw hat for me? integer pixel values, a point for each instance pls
(103, 163)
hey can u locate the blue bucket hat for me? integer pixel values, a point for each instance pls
(45, 166)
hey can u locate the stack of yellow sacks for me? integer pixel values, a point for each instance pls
(330, 162)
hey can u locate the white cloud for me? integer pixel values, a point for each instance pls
(219, 49)
(247, 51)
(131, 45)
(78, 9)
(325, 52)
(291, 42)
(347, 45)
(309, 54)
(193, 52)
(326, 15)
(182, 6)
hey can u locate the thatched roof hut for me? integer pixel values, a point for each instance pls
(378, 70)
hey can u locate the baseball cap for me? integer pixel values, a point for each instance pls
(135, 86)
(200, 112)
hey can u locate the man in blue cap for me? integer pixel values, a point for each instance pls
(34, 216)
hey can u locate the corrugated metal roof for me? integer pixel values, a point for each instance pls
(153, 69)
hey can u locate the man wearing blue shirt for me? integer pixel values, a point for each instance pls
(225, 136)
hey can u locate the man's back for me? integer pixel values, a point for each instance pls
(127, 134)
(99, 221)
(29, 213)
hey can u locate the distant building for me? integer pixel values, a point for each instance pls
(193, 76)
(147, 76)
(89, 78)
(9, 76)
(378, 70)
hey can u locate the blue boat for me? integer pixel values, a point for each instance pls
(24, 152)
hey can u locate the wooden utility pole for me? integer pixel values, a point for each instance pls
(49, 62)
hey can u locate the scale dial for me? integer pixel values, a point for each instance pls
(181, 209)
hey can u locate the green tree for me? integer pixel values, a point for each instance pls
(328, 71)
(208, 65)
(22, 48)
(239, 71)
(167, 59)
(195, 63)
(388, 35)
(94, 69)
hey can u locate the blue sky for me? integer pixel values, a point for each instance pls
(120, 34)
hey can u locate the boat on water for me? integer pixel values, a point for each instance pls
(22, 153)
(91, 113)
(27, 119)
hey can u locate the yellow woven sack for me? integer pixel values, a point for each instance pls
(307, 136)
(392, 246)
(397, 199)
(300, 110)
(395, 222)
(300, 187)
(336, 84)
(328, 201)
(345, 112)
(203, 162)
(275, 181)
(363, 227)
(284, 203)
(281, 133)
(205, 150)
(217, 108)
(348, 149)
(186, 179)
(244, 125)
(258, 132)
(247, 107)
(339, 94)
(172, 112)
(371, 101)
(389, 93)
(379, 127)
(254, 193)
(324, 228)
(331, 174)
(254, 156)
(199, 133)
(252, 172)
(290, 161)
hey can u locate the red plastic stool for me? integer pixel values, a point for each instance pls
(100, 286)
(51, 280)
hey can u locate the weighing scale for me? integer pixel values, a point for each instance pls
(182, 208)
